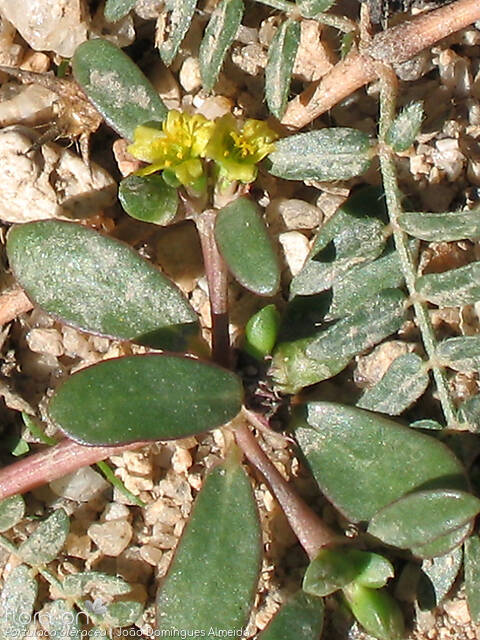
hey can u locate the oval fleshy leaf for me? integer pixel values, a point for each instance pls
(406, 126)
(61, 621)
(281, 59)
(423, 516)
(99, 284)
(117, 9)
(352, 452)
(332, 569)
(452, 288)
(80, 584)
(148, 198)
(261, 332)
(441, 227)
(444, 544)
(353, 236)
(116, 86)
(381, 316)
(181, 15)
(326, 154)
(214, 574)
(16, 603)
(145, 397)
(219, 35)
(437, 578)
(461, 353)
(403, 383)
(245, 245)
(46, 542)
(472, 576)
(300, 618)
(376, 611)
(12, 511)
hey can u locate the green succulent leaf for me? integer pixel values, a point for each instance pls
(472, 576)
(381, 316)
(12, 511)
(406, 126)
(437, 578)
(117, 9)
(122, 614)
(245, 245)
(281, 59)
(46, 542)
(300, 618)
(99, 284)
(61, 621)
(443, 544)
(219, 35)
(441, 227)
(363, 461)
(423, 516)
(352, 237)
(326, 154)
(213, 576)
(311, 8)
(148, 198)
(182, 12)
(81, 584)
(145, 397)
(376, 611)
(452, 288)
(461, 353)
(333, 569)
(16, 603)
(404, 382)
(116, 86)
(261, 332)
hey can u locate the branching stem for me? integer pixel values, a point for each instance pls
(407, 260)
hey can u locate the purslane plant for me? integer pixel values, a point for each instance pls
(349, 297)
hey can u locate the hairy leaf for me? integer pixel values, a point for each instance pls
(12, 511)
(182, 12)
(122, 614)
(381, 316)
(61, 621)
(423, 516)
(469, 413)
(404, 382)
(281, 58)
(80, 584)
(145, 397)
(16, 603)
(406, 126)
(116, 86)
(363, 461)
(326, 154)
(148, 198)
(441, 227)
(452, 288)
(472, 576)
(99, 284)
(117, 9)
(437, 578)
(311, 8)
(245, 245)
(461, 353)
(300, 618)
(46, 542)
(219, 35)
(213, 577)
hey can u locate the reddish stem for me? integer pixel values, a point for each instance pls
(52, 463)
(217, 279)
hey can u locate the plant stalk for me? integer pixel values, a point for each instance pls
(408, 263)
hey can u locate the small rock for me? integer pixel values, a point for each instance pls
(158, 511)
(45, 341)
(138, 462)
(190, 74)
(296, 214)
(181, 460)
(111, 537)
(81, 485)
(151, 554)
(78, 546)
(296, 249)
(115, 511)
(126, 163)
(458, 611)
(314, 57)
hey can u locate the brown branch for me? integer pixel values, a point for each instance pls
(12, 304)
(52, 463)
(393, 46)
(217, 278)
(312, 533)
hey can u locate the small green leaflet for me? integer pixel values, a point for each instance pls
(281, 59)
(441, 227)
(181, 15)
(452, 288)
(45, 543)
(16, 603)
(117, 9)
(405, 127)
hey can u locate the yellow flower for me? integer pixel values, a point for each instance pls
(177, 146)
(237, 151)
